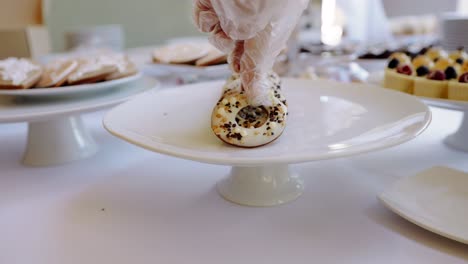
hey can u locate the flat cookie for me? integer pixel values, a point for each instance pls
(56, 73)
(19, 73)
(91, 70)
(186, 53)
(214, 57)
(125, 67)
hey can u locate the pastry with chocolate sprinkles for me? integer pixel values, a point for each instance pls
(237, 123)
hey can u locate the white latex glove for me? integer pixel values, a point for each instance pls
(253, 33)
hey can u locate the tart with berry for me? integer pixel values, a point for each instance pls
(398, 58)
(459, 56)
(458, 90)
(436, 53)
(449, 67)
(422, 65)
(464, 67)
(400, 79)
(433, 85)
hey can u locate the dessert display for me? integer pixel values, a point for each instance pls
(196, 54)
(24, 74)
(436, 74)
(385, 52)
(237, 123)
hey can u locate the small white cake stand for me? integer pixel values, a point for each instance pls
(459, 139)
(327, 120)
(56, 133)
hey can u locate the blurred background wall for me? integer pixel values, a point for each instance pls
(145, 22)
(419, 7)
(149, 22)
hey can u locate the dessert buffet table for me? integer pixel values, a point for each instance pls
(128, 205)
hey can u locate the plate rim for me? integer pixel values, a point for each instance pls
(80, 109)
(72, 89)
(175, 151)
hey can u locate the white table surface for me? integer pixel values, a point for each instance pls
(128, 205)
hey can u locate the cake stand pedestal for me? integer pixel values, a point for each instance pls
(56, 132)
(58, 141)
(459, 140)
(261, 186)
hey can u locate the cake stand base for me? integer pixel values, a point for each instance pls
(261, 186)
(58, 141)
(459, 140)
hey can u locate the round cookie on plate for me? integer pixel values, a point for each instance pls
(181, 53)
(19, 73)
(56, 73)
(91, 70)
(214, 57)
(399, 73)
(125, 67)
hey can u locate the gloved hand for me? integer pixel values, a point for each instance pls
(253, 33)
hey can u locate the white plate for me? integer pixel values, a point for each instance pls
(73, 89)
(436, 199)
(327, 120)
(17, 109)
(377, 79)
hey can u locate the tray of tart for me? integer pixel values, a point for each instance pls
(437, 76)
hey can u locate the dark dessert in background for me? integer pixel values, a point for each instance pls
(411, 51)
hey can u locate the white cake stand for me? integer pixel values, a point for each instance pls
(56, 133)
(458, 140)
(327, 120)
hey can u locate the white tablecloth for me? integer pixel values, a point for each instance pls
(128, 205)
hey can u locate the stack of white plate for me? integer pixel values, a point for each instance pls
(453, 29)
